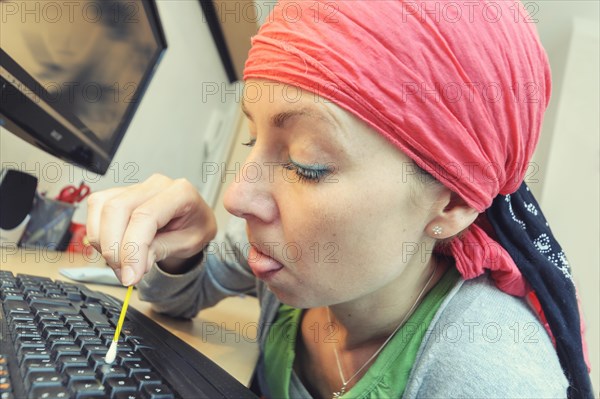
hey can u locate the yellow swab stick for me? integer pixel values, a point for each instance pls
(112, 351)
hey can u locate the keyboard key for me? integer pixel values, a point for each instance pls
(33, 365)
(138, 344)
(78, 324)
(91, 297)
(157, 391)
(49, 392)
(80, 374)
(72, 317)
(89, 350)
(5, 385)
(11, 318)
(31, 277)
(129, 331)
(95, 318)
(71, 361)
(108, 333)
(21, 352)
(42, 379)
(26, 333)
(86, 389)
(23, 326)
(137, 366)
(111, 307)
(146, 378)
(128, 356)
(47, 317)
(13, 307)
(115, 385)
(53, 292)
(29, 342)
(66, 350)
(34, 353)
(36, 299)
(121, 346)
(97, 360)
(60, 340)
(51, 323)
(33, 342)
(7, 283)
(31, 290)
(72, 295)
(111, 371)
(11, 294)
(79, 332)
(94, 306)
(89, 340)
(128, 395)
(59, 309)
(54, 332)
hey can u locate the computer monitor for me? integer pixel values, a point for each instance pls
(72, 74)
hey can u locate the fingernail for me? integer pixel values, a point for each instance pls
(127, 276)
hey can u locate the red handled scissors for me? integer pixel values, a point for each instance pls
(73, 195)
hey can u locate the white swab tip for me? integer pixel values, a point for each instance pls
(112, 353)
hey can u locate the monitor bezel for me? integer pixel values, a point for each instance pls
(30, 112)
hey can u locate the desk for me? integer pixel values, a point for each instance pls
(225, 333)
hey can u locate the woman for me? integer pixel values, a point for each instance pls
(390, 231)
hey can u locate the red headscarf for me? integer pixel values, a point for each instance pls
(461, 88)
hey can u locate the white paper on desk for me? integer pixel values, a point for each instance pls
(92, 274)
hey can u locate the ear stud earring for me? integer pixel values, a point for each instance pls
(437, 230)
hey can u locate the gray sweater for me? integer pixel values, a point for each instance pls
(482, 343)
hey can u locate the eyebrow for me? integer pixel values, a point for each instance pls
(280, 119)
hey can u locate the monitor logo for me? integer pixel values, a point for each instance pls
(56, 135)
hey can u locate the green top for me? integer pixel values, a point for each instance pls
(387, 376)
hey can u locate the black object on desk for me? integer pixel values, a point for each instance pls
(54, 336)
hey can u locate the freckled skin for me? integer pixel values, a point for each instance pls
(351, 226)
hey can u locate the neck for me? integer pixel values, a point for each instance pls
(370, 320)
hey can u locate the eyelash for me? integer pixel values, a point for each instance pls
(304, 173)
(250, 143)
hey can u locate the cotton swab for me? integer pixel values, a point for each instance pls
(112, 350)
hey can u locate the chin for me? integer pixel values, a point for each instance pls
(294, 299)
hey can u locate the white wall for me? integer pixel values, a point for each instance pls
(173, 119)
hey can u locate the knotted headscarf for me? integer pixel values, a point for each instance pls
(459, 87)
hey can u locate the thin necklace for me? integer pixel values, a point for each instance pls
(338, 394)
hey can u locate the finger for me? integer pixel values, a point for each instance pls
(116, 212)
(183, 243)
(95, 203)
(177, 200)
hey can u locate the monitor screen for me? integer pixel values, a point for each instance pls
(73, 73)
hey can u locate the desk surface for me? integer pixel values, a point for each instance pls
(225, 333)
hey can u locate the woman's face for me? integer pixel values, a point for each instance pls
(336, 212)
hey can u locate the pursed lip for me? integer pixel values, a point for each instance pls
(263, 266)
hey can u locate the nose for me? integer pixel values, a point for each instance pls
(250, 195)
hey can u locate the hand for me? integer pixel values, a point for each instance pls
(160, 218)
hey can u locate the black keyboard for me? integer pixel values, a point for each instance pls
(54, 336)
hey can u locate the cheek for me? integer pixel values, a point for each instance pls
(339, 226)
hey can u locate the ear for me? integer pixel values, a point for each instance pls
(450, 216)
